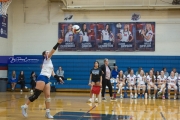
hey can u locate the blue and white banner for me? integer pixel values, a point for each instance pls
(4, 26)
(24, 60)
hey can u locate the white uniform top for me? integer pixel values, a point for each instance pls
(131, 79)
(147, 34)
(172, 80)
(149, 79)
(176, 74)
(47, 68)
(140, 79)
(162, 79)
(125, 35)
(85, 37)
(105, 35)
(178, 80)
(121, 80)
(67, 36)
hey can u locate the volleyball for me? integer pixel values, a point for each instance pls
(118, 25)
(76, 29)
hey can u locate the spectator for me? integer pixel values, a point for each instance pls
(151, 84)
(33, 80)
(128, 71)
(60, 73)
(138, 72)
(172, 81)
(131, 78)
(153, 71)
(106, 74)
(178, 83)
(13, 80)
(176, 73)
(120, 82)
(165, 72)
(21, 80)
(115, 72)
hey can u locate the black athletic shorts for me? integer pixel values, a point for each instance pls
(95, 81)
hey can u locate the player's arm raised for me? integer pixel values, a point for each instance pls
(54, 48)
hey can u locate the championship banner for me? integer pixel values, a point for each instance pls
(3, 26)
(107, 36)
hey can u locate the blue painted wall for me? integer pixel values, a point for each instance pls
(78, 67)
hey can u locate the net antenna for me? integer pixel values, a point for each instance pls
(4, 4)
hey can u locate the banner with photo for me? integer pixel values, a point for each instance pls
(145, 36)
(108, 36)
(4, 26)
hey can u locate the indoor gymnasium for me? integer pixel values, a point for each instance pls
(90, 59)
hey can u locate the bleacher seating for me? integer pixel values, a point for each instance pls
(77, 67)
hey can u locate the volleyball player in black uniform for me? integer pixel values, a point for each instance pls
(95, 79)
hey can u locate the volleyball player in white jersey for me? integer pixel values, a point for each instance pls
(141, 78)
(120, 82)
(151, 84)
(42, 83)
(69, 34)
(172, 80)
(178, 83)
(125, 34)
(107, 35)
(147, 33)
(161, 79)
(131, 78)
(84, 34)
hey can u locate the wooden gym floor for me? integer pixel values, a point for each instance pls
(74, 106)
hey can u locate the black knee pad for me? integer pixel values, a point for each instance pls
(35, 95)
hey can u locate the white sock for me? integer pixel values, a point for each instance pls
(25, 105)
(47, 110)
